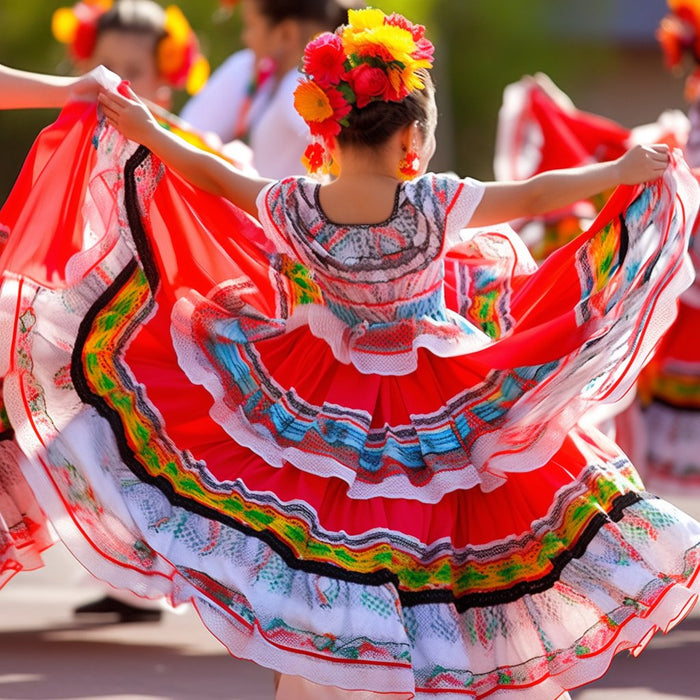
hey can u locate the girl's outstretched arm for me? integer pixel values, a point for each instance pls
(505, 201)
(210, 172)
(24, 90)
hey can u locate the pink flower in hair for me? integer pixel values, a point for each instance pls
(324, 59)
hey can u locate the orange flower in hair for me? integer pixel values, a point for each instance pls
(323, 110)
(679, 32)
(77, 26)
(179, 59)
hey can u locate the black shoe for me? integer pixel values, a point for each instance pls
(116, 611)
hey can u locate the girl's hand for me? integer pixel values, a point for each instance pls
(127, 113)
(643, 163)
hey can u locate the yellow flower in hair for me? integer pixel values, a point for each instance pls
(312, 102)
(77, 26)
(198, 75)
(411, 80)
(64, 24)
(179, 59)
(369, 18)
(176, 25)
(172, 47)
(385, 42)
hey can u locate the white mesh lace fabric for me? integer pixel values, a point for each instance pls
(379, 277)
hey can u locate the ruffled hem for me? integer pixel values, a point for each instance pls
(24, 531)
(375, 350)
(610, 598)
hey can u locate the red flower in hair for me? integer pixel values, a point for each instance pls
(685, 11)
(84, 41)
(679, 33)
(314, 157)
(324, 59)
(370, 83)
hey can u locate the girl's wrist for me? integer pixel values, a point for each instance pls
(617, 174)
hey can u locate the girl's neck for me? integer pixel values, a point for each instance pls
(371, 163)
(365, 191)
(284, 64)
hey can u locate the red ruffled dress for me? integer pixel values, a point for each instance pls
(538, 131)
(353, 448)
(24, 530)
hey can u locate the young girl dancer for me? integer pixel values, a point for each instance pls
(153, 48)
(251, 96)
(353, 482)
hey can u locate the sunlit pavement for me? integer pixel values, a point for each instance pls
(46, 655)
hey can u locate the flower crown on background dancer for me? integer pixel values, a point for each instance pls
(679, 36)
(177, 52)
(375, 57)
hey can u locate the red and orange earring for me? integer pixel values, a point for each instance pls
(409, 165)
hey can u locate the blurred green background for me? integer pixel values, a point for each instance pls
(601, 52)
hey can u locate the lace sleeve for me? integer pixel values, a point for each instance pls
(467, 194)
(270, 204)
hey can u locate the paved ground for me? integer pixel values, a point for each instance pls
(45, 655)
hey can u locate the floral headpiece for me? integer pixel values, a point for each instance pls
(178, 57)
(679, 33)
(375, 57)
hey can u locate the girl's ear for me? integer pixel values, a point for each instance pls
(411, 137)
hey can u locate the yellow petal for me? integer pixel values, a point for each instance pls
(368, 18)
(176, 24)
(64, 24)
(199, 74)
